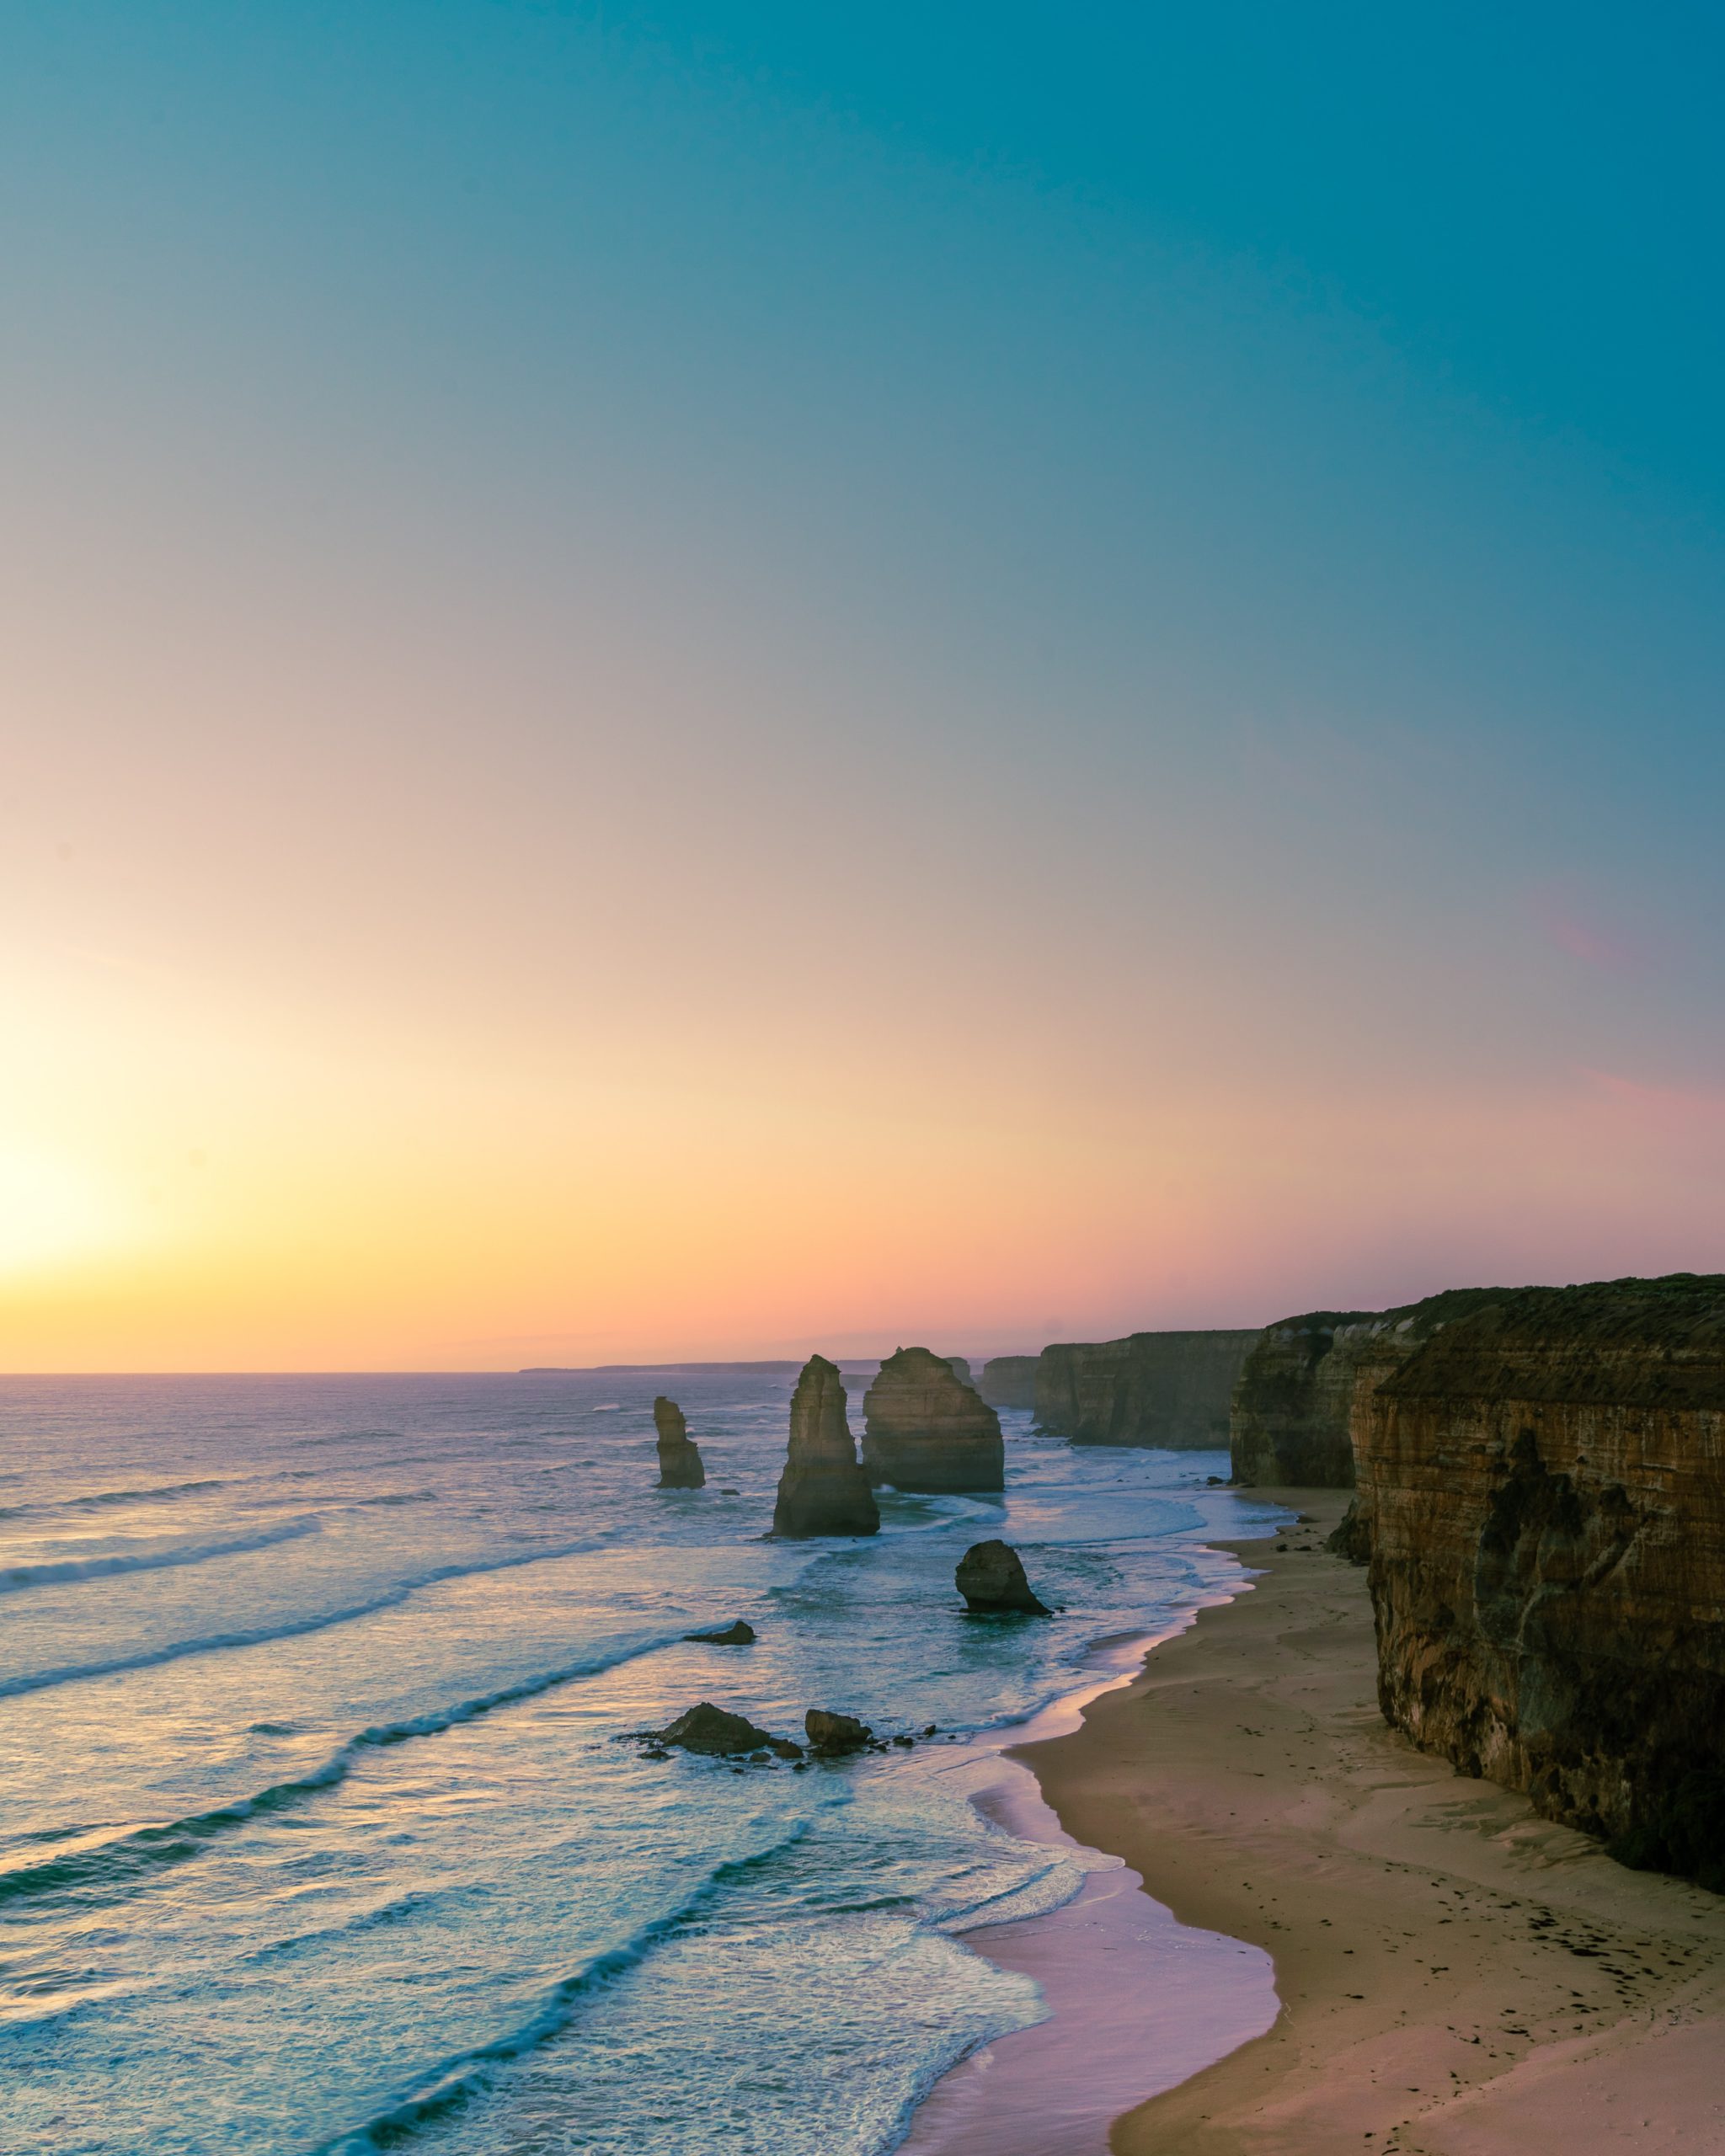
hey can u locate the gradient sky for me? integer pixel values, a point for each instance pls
(711, 679)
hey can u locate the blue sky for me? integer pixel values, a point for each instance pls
(1203, 522)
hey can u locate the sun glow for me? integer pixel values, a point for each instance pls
(52, 1211)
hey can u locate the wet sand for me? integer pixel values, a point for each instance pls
(1458, 1977)
(1138, 2001)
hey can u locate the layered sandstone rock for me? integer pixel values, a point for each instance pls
(925, 1429)
(1009, 1380)
(679, 1456)
(1302, 1385)
(823, 1490)
(1150, 1389)
(960, 1368)
(1543, 1484)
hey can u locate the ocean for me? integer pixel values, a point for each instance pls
(321, 1828)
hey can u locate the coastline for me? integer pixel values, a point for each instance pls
(1138, 2001)
(1457, 1976)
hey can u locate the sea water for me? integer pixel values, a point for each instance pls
(320, 1825)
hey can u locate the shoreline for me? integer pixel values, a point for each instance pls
(1117, 2030)
(1456, 1976)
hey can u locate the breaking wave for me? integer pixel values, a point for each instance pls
(149, 1849)
(57, 1571)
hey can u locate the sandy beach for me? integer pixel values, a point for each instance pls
(1458, 1977)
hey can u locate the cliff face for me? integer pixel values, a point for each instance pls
(924, 1429)
(1295, 1406)
(1543, 1485)
(1009, 1380)
(680, 1466)
(1150, 1389)
(822, 1491)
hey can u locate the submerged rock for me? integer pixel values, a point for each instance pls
(708, 1729)
(823, 1490)
(925, 1429)
(740, 1634)
(834, 1734)
(991, 1576)
(680, 1466)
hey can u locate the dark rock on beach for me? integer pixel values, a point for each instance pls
(679, 1456)
(1351, 1538)
(823, 1490)
(925, 1429)
(740, 1634)
(831, 1735)
(990, 1577)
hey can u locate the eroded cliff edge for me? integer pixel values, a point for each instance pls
(1305, 1383)
(1542, 1484)
(1150, 1389)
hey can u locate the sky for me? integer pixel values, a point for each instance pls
(702, 680)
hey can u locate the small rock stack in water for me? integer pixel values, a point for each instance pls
(991, 1576)
(823, 1490)
(926, 1429)
(679, 1456)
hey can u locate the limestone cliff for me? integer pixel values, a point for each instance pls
(823, 1490)
(1294, 1405)
(1009, 1380)
(925, 1429)
(1543, 1484)
(1150, 1389)
(680, 1466)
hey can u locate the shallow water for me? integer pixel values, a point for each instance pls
(315, 1830)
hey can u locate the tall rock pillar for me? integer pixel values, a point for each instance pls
(823, 1490)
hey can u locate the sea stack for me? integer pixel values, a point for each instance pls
(991, 1576)
(679, 1456)
(823, 1490)
(925, 1429)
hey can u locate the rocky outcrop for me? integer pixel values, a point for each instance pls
(1150, 1388)
(834, 1735)
(959, 1366)
(925, 1429)
(1303, 1384)
(679, 1456)
(823, 1490)
(706, 1728)
(1009, 1380)
(1543, 1484)
(740, 1634)
(991, 1576)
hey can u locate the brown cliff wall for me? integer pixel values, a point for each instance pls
(1009, 1380)
(1294, 1408)
(1150, 1389)
(1543, 1487)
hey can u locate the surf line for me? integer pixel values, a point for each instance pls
(1137, 2002)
